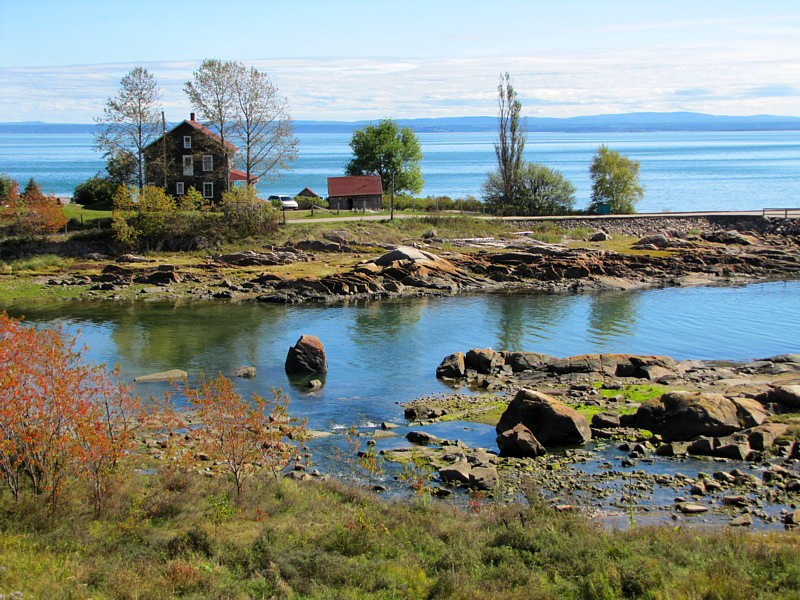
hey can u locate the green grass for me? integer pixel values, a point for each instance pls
(77, 211)
(327, 540)
(39, 262)
(13, 288)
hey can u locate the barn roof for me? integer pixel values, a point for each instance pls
(238, 175)
(359, 185)
(308, 192)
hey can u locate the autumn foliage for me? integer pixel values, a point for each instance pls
(31, 213)
(63, 422)
(245, 436)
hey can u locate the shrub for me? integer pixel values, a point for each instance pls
(31, 213)
(245, 437)
(246, 214)
(96, 193)
(61, 420)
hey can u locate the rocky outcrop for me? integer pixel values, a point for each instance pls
(786, 394)
(252, 258)
(486, 361)
(551, 422)
(452, 366)
(685, 415)
(306, 357)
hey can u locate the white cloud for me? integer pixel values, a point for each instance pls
(652, 79)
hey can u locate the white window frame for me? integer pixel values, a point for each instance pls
(187, 141)
(179, 188)
(188, 164)
(208, 189)
(208, 162)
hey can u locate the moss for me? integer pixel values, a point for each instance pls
(636, 393)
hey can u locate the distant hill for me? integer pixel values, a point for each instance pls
(626, 122)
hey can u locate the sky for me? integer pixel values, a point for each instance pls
(358, 59)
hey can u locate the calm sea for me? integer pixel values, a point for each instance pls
(680, 170)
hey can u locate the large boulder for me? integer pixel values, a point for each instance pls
(306, 357)
(520, 442)
(403, 253)
(551, 422)
(685, 415)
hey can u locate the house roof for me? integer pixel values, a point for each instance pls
(308, 192)
(360, 185)
(201, 128)
(238, 175)
(208, 132)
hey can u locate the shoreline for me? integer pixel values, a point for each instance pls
(343, 265)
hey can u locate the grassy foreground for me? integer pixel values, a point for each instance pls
(181, 536)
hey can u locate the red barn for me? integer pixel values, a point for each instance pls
(359, 192)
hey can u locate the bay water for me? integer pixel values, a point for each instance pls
(385, 352)
(681, 171)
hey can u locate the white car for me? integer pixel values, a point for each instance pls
(287, 202)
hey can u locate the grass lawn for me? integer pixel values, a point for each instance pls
(77, 211)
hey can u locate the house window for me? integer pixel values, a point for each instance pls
(179, 188)
(188, 164)
(208, 189)
(187, 141)
(208, 162)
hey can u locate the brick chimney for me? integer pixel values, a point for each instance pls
(191, 116)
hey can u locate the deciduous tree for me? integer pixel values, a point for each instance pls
(263, 129)
(387, 150)
(212, 93)
(615, 181)
(130, 120)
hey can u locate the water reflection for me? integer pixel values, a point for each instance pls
(612, 315)
(521, 317)
(386, 352)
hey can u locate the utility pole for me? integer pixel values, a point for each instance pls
(164, 147)
(391, 202)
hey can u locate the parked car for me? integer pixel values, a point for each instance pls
(286, 202)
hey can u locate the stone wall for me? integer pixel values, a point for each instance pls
(640, 226)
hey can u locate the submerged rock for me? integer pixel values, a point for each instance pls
(246, 372)
(171, 375)
(306, 357)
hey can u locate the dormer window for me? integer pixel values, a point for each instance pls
(208, 162)
(187, 141)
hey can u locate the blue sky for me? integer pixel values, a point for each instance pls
(355, 59)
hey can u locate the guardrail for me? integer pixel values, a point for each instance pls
(780, 212)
